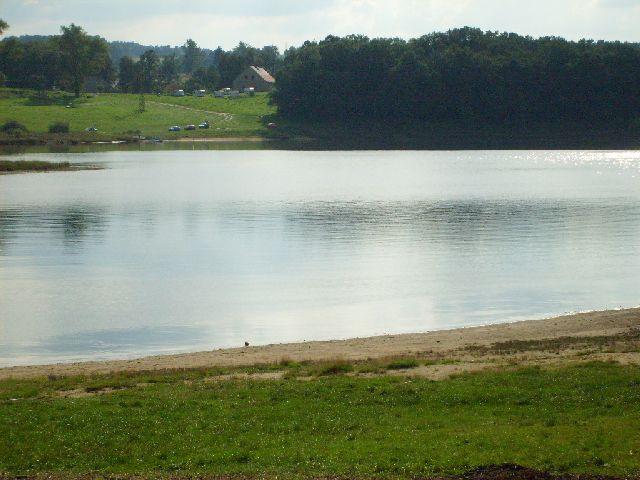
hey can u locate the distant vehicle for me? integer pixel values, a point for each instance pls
(199, 93)
(272, 125)
(178, 93)
(204, 125)
(190, 127)
(175, 128)
(218, 94)
(250, 90)
(91, 129)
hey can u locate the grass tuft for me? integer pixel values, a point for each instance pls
(403, 364)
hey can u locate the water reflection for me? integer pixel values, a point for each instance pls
(189, 251)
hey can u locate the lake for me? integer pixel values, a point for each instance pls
(176, 251)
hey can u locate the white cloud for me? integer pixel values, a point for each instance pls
(290, 22)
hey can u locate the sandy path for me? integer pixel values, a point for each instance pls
(438, 343)
(225, 116)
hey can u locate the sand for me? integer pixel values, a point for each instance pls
(474, 346)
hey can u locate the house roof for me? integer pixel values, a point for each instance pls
(266, 76)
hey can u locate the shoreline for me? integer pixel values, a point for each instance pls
(569, 336)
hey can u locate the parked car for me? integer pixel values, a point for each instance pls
(175, 128)
(204, 125)
(272, 125)
(199, 93)
(91, 129)
(190, 127)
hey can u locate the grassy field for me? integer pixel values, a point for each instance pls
(581, 419)
(118, 114)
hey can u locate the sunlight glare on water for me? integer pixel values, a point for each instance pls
(173, 251)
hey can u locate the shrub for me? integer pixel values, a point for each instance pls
(336, 367)
(403, 364)
(13, 126)
(59, 127)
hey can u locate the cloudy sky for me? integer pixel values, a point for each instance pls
(290, 22)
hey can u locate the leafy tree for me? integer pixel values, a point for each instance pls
(127, 74)
(206, 78)
(168, 70)
(3, 26)
(147, 72)
(142, 104)
(192, 56)
(81, 56)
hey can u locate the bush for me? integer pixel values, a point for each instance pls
(59, 127)
(336, 367)
(403, 364)
(13, 127)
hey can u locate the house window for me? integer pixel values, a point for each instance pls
(253, 77)
(246, 76)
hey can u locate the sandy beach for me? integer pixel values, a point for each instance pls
(606, 335)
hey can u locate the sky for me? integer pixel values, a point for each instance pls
(284, 23)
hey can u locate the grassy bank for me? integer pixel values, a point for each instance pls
(32, 166)
(117, 116)
(580, 419)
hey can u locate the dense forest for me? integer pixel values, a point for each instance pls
(463, 75)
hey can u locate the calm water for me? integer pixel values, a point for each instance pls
(172, 251)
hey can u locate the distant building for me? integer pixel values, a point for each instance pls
(254, 77)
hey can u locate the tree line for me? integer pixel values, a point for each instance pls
(463, 75)
(69, 60)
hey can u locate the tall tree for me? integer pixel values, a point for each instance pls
(168, 71)
(127, 74)
(82, 56)
(207, 78)
(192, 56)
(3, 26)
(147, 68)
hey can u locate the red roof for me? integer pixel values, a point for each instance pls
(266, 76)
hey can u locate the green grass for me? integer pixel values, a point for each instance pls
(117, 114)
(576, 419)
(403, 364)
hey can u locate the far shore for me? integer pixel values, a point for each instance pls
(219, 139)
(548, 341)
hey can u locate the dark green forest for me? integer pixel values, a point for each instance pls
(463, 76)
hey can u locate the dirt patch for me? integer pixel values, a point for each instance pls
(277, 375)
(493, 472)
(87, 392)
(441, 372)
(627, 339)
(516, 472)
